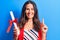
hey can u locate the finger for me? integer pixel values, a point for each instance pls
(45, 28)
(43, 20)
(14, 31)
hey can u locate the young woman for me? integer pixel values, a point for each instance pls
(29, 25)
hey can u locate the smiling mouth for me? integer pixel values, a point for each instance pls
(29, 14)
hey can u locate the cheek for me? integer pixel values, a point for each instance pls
(33, 13)
(26, 11)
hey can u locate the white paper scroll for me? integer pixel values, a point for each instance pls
(15, 25)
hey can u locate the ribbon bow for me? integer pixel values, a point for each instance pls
(11, 22)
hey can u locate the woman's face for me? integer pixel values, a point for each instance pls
(29, 11)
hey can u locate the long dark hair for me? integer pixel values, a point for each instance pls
(23, 19)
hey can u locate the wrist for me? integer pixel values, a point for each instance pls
(44, 36)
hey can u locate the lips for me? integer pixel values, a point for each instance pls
(29, 14)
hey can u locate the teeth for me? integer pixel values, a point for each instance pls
(29, 14)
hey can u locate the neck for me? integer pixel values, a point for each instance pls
(29, 24)
(30, 20)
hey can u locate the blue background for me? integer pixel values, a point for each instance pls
(48, 9)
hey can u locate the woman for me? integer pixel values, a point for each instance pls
(29, 25)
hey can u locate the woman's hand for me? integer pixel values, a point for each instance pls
(16, 33)
(44, 30)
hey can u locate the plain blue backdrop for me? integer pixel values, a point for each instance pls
(47, 9)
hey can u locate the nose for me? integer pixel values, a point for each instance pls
(29, 10)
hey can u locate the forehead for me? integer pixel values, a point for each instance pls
(29, 5)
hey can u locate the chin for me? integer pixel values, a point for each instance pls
(30, 17)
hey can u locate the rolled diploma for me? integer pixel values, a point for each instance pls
(15, 25)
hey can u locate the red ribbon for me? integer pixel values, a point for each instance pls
(11, 22)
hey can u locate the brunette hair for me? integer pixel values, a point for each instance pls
(23, 19)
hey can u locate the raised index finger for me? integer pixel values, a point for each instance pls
(43, 21)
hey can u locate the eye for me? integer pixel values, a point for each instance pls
(32, 8)
(27, 8)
